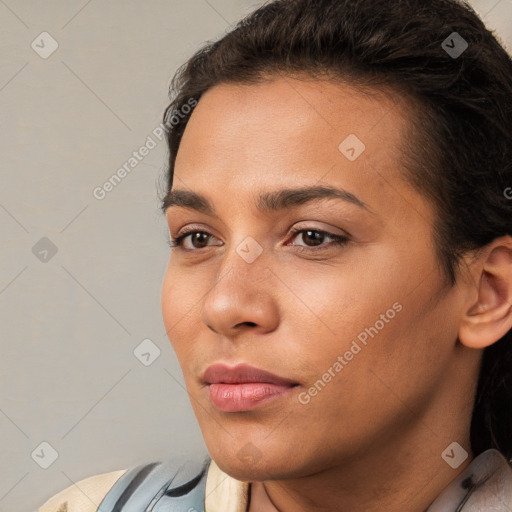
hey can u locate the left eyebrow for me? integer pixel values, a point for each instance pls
(266, 202)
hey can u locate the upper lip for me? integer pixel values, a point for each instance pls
(242, 373)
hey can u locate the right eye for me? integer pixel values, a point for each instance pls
(195, 239)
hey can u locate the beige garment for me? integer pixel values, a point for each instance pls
(83, 496)
(224, 493)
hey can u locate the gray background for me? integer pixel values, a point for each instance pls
(72, 320)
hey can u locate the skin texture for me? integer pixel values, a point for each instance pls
(372, 438)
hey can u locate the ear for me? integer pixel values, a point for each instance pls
(489, 317)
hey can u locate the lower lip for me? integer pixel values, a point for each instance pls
(245, 396)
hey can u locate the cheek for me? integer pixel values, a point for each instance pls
(339, 305)
(393, 352)
(168, 301)
(180, 300)
(370, 330)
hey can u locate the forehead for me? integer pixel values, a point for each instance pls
(269, 135)
(291, 119)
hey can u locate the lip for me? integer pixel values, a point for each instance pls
(243, 387)
(241, 374)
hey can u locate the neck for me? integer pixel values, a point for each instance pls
(393, 479)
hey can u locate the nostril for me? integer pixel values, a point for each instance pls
(251, 324)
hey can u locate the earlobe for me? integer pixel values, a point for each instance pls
(489, 318)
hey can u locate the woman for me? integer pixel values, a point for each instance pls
(339, 291)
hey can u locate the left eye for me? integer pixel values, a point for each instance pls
(315, 236)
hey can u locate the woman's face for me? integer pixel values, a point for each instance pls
(362, 333)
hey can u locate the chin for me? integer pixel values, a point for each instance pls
(249, 464)
(259, 472)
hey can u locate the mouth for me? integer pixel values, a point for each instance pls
(243, 387)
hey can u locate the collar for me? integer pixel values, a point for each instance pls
(484, 485)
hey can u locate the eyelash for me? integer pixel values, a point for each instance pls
(338, 240)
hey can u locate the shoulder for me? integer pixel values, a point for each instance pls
(83, 496)
(171, 482)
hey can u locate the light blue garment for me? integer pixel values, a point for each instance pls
(159, 487)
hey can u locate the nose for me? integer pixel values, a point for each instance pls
(242, 297)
